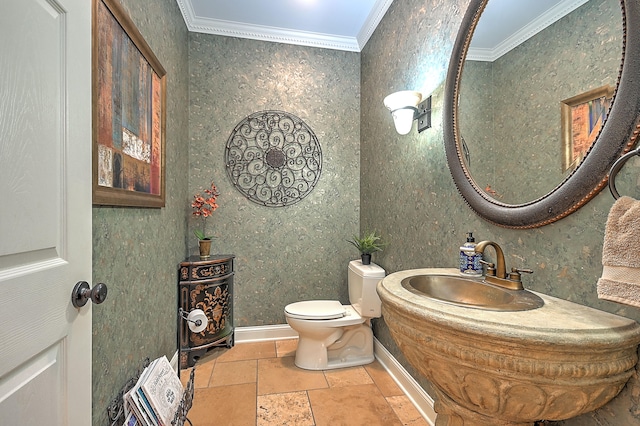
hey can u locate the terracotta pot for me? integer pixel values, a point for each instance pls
(205, 249)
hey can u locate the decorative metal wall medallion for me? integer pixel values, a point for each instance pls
(273, 158)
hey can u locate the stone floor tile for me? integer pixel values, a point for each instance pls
(286, 347)
(203, 374)
(244, 351)
(284, 409)
(279, 375)
(383, 379)
(224, 405)
(406, 411)
(347, 377)
(234, 373)
(359, 405)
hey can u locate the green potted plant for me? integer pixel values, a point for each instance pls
(369, 243)
(203, 207)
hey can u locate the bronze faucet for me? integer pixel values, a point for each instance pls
(498, 276)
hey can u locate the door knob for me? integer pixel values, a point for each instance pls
(82, 293)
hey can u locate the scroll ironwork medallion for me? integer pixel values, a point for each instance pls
(273, 158)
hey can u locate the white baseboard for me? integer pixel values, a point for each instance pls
(174, 361)
(421, 400)
(264, 333)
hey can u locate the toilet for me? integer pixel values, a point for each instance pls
(333, 335)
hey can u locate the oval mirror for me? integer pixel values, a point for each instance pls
(529, 173)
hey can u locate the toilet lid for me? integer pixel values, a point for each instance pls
(316, 309)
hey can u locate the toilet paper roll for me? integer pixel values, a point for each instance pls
(197, 320)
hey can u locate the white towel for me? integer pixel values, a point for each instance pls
(620, 281)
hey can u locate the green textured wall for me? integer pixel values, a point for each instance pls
(408, 194)
(136, 251)
(283, 254)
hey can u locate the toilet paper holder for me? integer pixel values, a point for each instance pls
(196, 319)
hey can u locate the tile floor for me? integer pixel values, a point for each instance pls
(257, 384)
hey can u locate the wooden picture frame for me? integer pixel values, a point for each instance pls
(129, 112)
(582, 119)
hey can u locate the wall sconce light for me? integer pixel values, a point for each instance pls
(405, 106)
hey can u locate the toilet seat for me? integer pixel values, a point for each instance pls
(316, 310)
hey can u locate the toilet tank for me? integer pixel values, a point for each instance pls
(363, 280)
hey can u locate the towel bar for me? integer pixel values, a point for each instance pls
(616, 168)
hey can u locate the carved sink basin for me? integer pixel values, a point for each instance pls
(472, 293)
(491, 367)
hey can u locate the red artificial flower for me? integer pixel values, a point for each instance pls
(204, 206)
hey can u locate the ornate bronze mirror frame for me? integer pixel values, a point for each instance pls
(618, 135)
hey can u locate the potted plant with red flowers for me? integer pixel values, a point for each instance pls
(203, 207)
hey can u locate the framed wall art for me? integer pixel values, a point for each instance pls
(582, 119)
(129, 88)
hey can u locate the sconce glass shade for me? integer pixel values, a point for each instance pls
(403, 106)
(403, 120)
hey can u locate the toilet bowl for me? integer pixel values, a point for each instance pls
(333, 335)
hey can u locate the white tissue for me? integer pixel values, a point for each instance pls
(197, 320)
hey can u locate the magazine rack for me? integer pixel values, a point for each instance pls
(115, 410)
(186, 403)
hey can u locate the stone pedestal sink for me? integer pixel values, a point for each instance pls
(496, 367)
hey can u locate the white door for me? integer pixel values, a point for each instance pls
(45, 211)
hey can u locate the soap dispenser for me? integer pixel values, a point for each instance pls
(470, 265)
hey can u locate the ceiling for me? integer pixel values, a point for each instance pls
(331, 24)
(505, 24)
(348, 24)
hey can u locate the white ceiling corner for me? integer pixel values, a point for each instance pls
(245, 23)
(505, 25)
(374, 18)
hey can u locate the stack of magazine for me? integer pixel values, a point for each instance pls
(155, 398)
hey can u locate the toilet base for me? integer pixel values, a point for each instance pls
(347, 347)
(350, 362)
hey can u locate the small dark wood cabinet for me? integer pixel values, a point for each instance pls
(207, 285)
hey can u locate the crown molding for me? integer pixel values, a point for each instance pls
(281, 35)
(534, 27)
(277, 35)
(377, 13)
